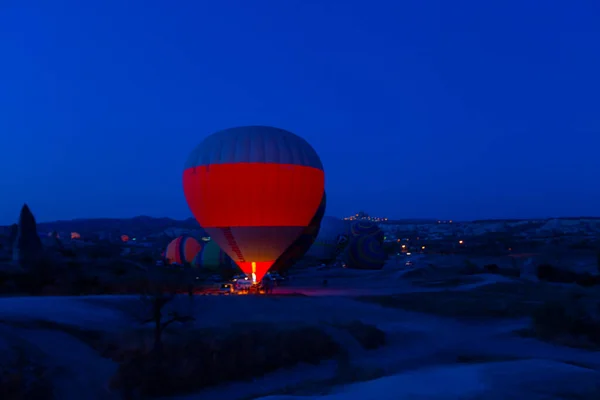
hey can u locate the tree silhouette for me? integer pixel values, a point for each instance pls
(162, 289)
(27, 248)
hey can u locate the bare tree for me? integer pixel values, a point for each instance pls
(162, 289)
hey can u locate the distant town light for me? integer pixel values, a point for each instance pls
(422, 247)
(460, 242)
(403, 246)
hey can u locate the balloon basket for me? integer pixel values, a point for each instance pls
(256, 289)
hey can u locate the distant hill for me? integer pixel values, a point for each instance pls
(409, 221)
(513, 220)
(142, 225)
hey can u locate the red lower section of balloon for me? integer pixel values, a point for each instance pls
(253, 194)
(261, 244)
(258, 268)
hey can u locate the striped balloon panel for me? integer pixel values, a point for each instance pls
(182, 250)
(211, 257)
(254, 144)
(362, 227)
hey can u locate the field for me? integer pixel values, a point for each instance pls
(391, 331)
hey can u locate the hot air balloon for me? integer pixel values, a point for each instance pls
(366, 228)
(332, 238)
(365, 252)
(182, 250)
(297, 249)
(211, 257)
(254, 190)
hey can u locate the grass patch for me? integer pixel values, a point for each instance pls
(192, 359)
(195, 360)
(21, 377)
(497, 300)
(575, 323)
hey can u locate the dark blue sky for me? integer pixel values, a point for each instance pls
(444, 109)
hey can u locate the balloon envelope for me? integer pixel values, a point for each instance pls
(254, 190)
(301, 245)
(332, 238)
(366, 228)
(182, 250)
(211, 257)
(365, 252)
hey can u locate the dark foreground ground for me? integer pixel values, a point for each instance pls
(368, 332)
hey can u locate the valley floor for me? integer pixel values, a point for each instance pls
(427, 356)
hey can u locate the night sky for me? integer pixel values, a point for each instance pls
(442, 109)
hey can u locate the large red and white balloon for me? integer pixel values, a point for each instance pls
(254, 189)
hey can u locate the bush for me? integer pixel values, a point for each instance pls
(549, 273)
(492, 268)
(509, 272)
(587, 280)
(546, 272)
(470, 268)
(22, 378)
(369, 336)
(575, 322)
(200, 359)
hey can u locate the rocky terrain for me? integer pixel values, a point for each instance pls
(480, 327)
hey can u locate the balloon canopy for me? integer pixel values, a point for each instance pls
(254, 189)
(211, 257)
(365, 252)
(182, 250)
(366, 228)
(301, 245)
(331, 240)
